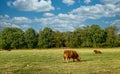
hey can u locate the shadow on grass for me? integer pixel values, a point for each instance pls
(84, 60)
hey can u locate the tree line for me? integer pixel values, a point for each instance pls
(88, 36)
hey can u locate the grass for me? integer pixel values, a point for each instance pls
(51, 62)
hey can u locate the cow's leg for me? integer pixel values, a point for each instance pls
(73, 60)
(65, 58)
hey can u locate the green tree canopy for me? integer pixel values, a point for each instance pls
(111, 36)
(88, 36)
(46, 38)
(59, 39)
(30, 38)
(98, 35)
(12, 38)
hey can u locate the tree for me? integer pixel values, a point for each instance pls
(30, 38)
(76, 38)
(98, 35)
(1, 42)
(12, 38)
(59, 39)
(86, 37)
(46, 38)
(67, 38)
(93, 36)
(111, 36)
(118, 40)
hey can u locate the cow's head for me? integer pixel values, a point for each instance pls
(78, 59)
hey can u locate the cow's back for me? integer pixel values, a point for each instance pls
(68, 53)
(71, 54)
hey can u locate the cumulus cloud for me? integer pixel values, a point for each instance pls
(62, 22)
(97, 11)
(7, 21)
(7, 24)
(75, 18)
(110, 1)
(48, 14)
(68, 2)
(4, 17)
(117, 24)
(87, 1)
(32, 5)
(65, 22)
(19, 20)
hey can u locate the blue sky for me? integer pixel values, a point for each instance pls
(62, 15)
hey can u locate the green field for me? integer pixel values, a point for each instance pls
(51, 62)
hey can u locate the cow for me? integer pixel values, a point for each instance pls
(97, 52)
(70, 54)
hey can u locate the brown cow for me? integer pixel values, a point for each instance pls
(70, 54)
(97, 52)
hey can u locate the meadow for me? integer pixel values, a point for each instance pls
(50, 61)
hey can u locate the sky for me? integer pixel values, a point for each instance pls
(62, 15)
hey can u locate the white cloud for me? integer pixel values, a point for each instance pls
(62, 22)
(117, 24)
(8, 24)
(21, 20)
(87, 1)
(110, 1)
(18, 22)
(97, 11)
(32, 5)
(4, 17)
(75, 18)
(68, 16)
(48, 14)
(9, 3)
(68, 2)
(69, 21)
(25, 26)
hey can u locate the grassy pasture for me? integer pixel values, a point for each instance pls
(51, 62)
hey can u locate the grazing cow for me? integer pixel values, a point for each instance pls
(97, 52)
(70, 54)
